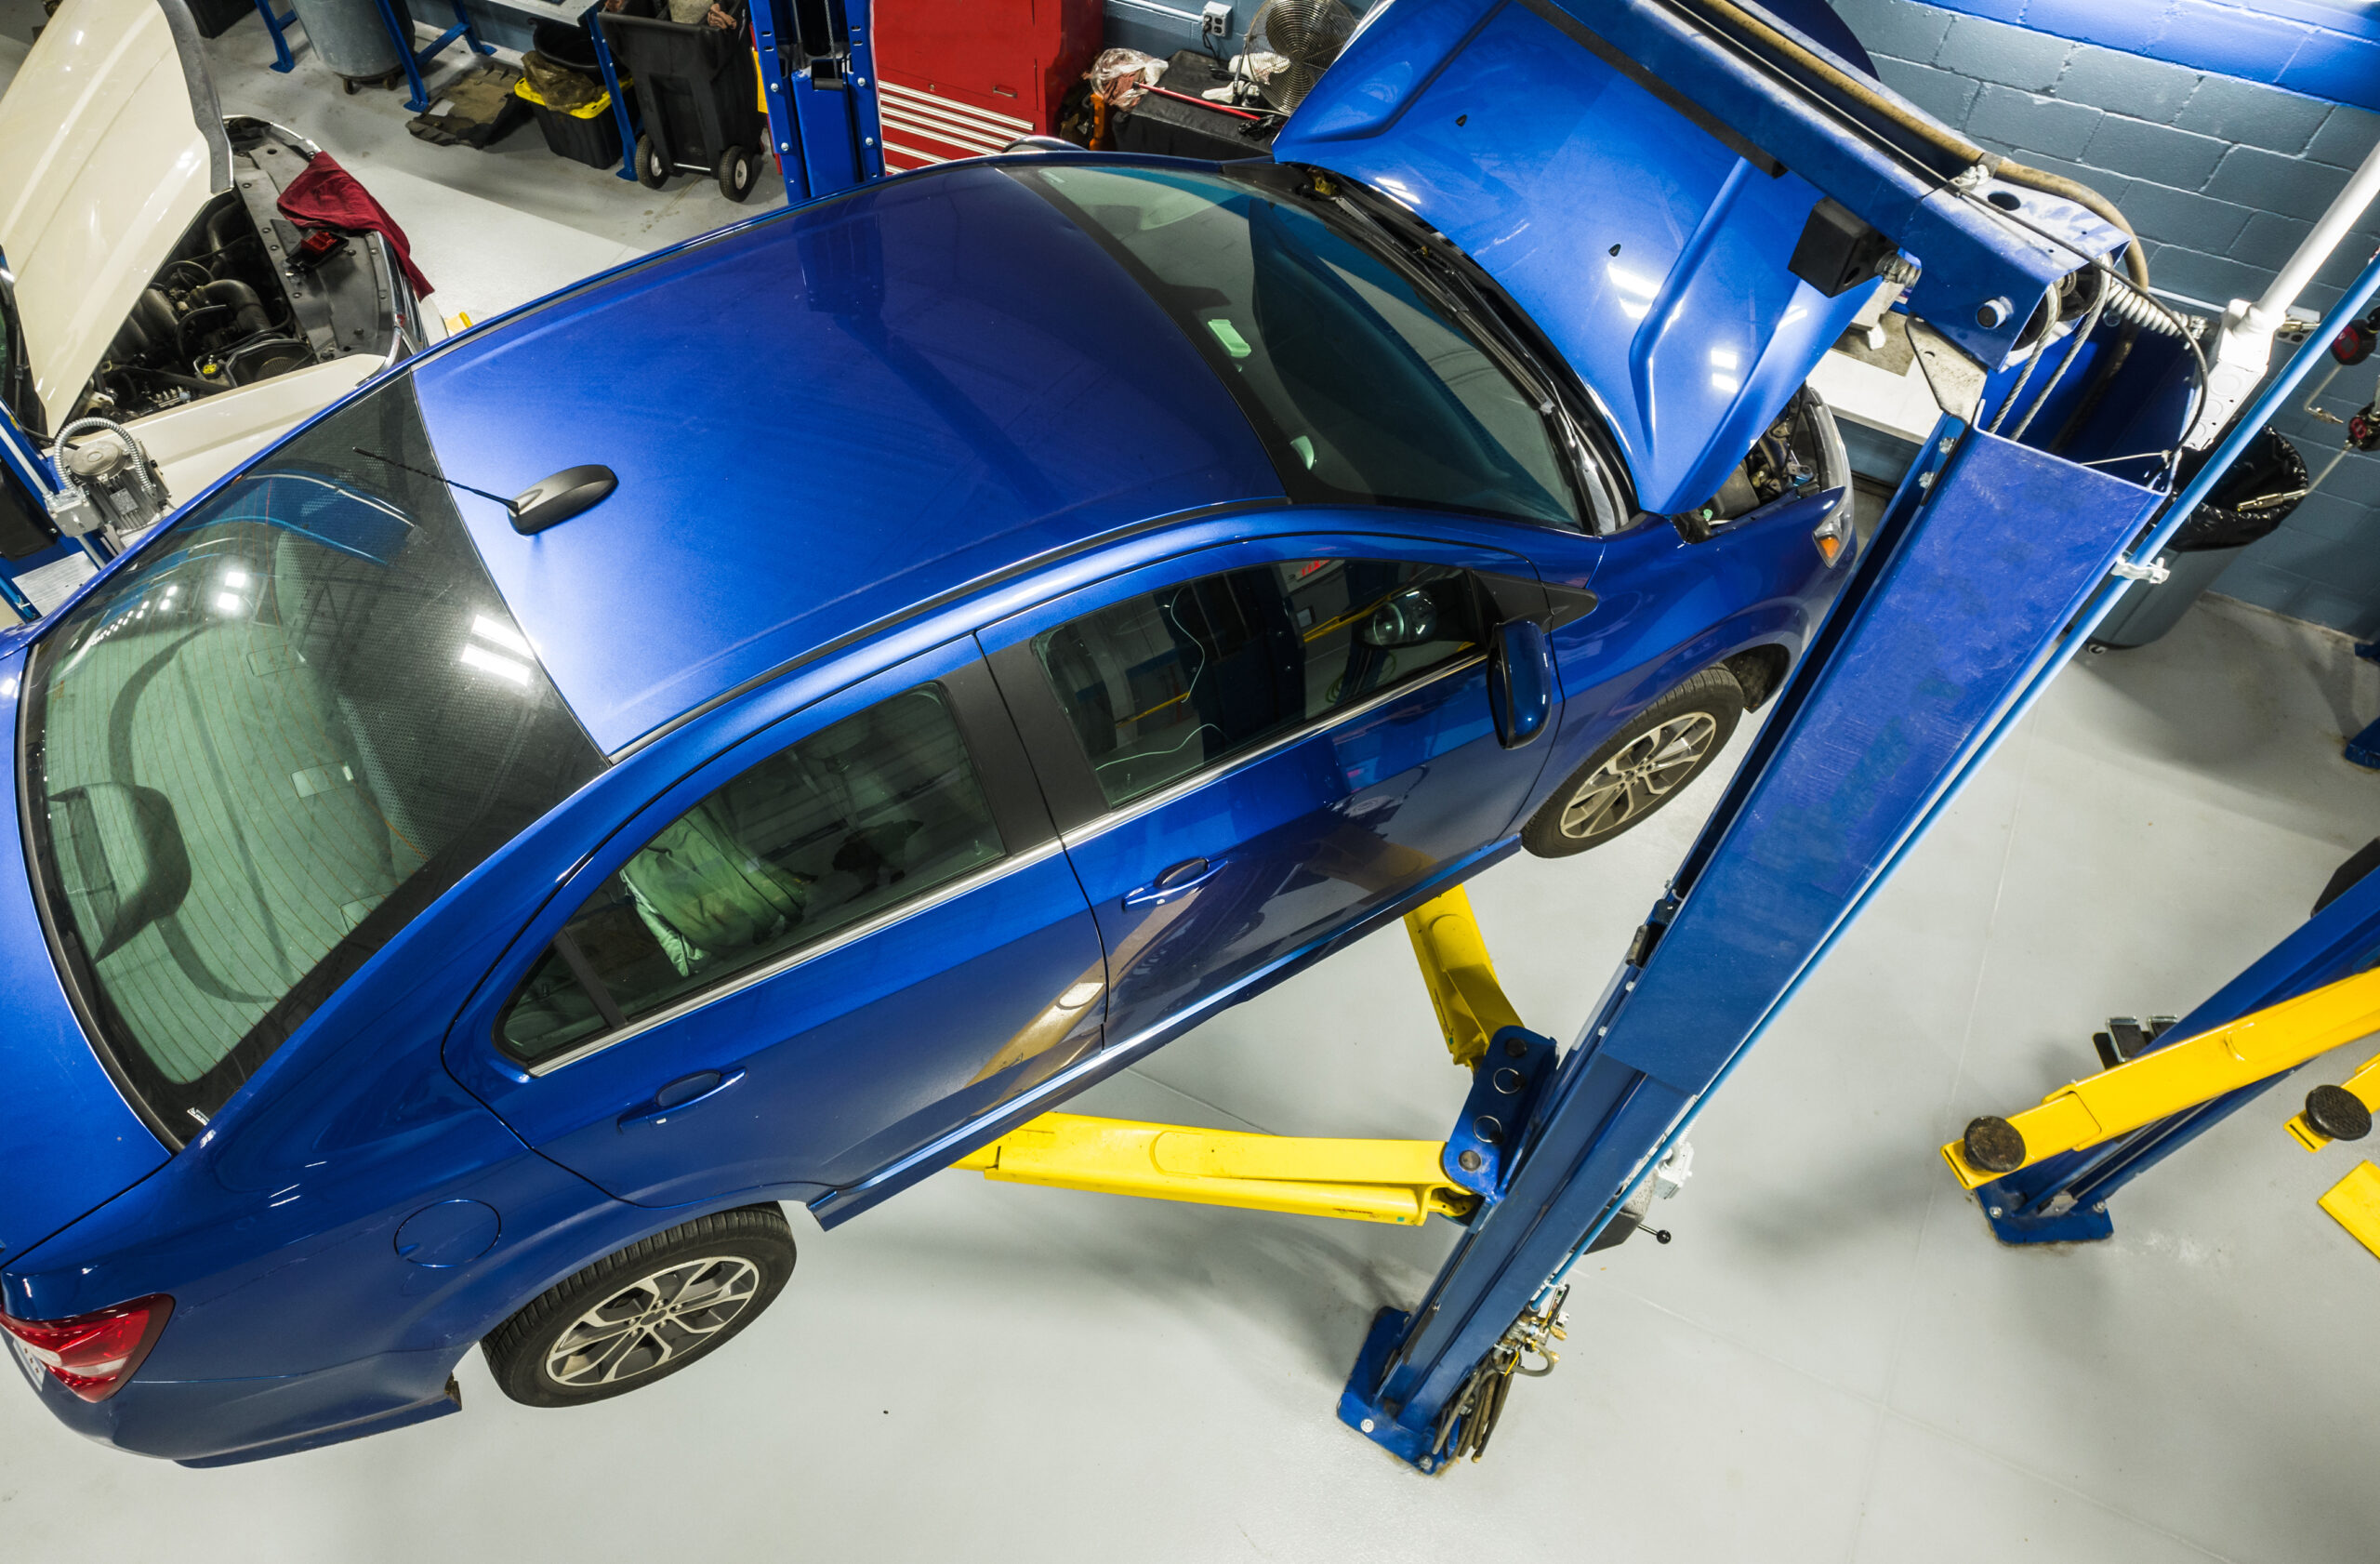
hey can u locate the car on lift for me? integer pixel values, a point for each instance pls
(944, 642)
(149, 279)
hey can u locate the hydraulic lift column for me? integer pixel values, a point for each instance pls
(1955, 618)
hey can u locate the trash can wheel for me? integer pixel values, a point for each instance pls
(652, 169)
(735, 174)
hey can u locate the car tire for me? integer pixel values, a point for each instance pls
(641, 1314)
(1647, 762)
(735, 174)
(651, 171)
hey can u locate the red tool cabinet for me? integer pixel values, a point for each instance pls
(957, 78)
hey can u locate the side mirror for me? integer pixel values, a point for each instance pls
(1411, 618)
(1520, 682)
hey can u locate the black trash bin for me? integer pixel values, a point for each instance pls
(699, 98)
(2227, 520)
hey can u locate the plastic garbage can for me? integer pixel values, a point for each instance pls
(2241, 510)
(351, 38)
(699, 97)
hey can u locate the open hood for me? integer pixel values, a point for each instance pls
(1654, 246)
(110, 142)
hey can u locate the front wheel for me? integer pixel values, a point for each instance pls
(644, 1313)
(1642, 767)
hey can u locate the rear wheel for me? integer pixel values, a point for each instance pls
(644, 1313)
(1643, 767)
(735, 174)
(652, 169)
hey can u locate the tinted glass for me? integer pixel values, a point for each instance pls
(1163, 683)
(878, 808)
(262, 747)
(1364, 388)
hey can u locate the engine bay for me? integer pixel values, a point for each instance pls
(246, 295)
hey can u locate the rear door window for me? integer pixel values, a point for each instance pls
(820, 837)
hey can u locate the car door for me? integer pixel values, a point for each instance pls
(1251, 747)
(844, 936)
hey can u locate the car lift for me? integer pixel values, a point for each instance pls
(1399, 1181)
(2179, 1076)
(2319, 988)
(1987, 573)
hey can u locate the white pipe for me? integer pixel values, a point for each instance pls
(2317, 245)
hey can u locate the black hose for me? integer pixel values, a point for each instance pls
(187, 382)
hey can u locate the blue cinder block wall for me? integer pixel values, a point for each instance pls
(2221, 176)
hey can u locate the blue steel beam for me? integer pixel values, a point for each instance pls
(818, 79)
(2323, 49)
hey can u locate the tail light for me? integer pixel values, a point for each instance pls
(93, 1354)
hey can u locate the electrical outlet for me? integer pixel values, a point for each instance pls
(1215, 21)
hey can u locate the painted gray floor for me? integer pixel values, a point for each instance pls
(1832, 1363)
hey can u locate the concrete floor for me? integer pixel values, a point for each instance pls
(1834, 1361)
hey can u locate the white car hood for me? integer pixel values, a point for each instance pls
(110, 142)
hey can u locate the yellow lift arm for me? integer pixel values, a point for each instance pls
(2198, 1069)
(1396, 1181)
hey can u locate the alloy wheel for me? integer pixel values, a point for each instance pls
(653, 1320)
(1639, 775)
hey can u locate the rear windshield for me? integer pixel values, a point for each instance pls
(259, 750)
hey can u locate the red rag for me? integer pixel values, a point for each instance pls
(326, 195)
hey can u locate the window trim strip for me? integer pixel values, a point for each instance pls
(755, 975)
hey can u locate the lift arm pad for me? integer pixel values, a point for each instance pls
(1394, 1181)
(2197, 1069)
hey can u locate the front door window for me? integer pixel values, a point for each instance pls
(1167, 682)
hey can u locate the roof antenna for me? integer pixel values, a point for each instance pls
(542, 504)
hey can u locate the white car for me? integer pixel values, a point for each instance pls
(145, 273)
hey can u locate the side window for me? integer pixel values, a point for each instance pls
(876, 809)
(1165, 684)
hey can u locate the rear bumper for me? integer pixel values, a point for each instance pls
(224, 1421)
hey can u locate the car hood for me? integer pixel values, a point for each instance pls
(1650, 245)
(68, 1139)
(110, 142)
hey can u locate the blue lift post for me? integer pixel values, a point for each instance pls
(397, 15)
(278, 24)
(38, 476)
(2064, 1199)
(818, 79)
(1989, 556)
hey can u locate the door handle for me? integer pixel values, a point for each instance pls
(681, 1093)
(1179, 881)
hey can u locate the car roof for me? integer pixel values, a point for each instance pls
(817, 420)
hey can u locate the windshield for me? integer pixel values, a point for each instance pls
(1363, 388)
(261, 747)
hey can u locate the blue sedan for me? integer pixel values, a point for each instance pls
(758, 726)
